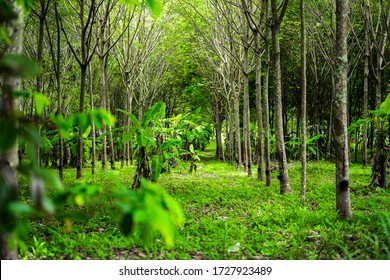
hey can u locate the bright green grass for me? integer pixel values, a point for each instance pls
(222, 207)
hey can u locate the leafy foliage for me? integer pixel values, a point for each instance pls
(150, 210)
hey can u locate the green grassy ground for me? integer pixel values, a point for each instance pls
(223, 207)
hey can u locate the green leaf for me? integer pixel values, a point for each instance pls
(31, 135)
(155, 113)
(130, 2)
(190, 136)
(8, 134)
(40, 102)
(156, 166)
(133, 118)
(48, 205)
(144, 138)
(378, 113)
(155, 6)
(170, 143)
(19, 208)
(106, 117)
(356, 125)
(174, 209)
(26, 4)
(22, 94)
(61, 124)
(192, 149)
(18, 65)
(79, 199)
(83, 121)
(86, 132)
(128, 136)
(385, 106)
(96, 119)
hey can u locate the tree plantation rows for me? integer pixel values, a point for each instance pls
(99, 85)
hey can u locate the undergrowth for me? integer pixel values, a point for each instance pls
(228, 216)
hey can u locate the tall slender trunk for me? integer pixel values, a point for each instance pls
(259, 111)
(125, 122)
(282, 159)
(9, 160)
(236, 95)
(246, 113)
(110, 137)
(218, 130)
(39, 79)
(130, 149)
(343, 202)
(93, 130)
(58, 89)
(230, 117)
(103, 105)
(365, 94)
(80, 141)
(303, 100)
(266, 107)
(330, 134)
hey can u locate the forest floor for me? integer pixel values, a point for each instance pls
(228, 216)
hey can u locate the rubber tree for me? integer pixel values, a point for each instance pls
(276, 20)
(303, 92)
(343, 202)
(9, 161)
(83, 54)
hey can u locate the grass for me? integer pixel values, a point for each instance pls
(224, 207)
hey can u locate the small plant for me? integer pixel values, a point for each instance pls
(148, 152)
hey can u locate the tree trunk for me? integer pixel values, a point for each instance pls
(282, 159)
(365, 94)
(93, 130)
(110, 138)
(343, 203)
(236, 94)
(9, 160)
(246, 113)
(104, 105)
(266, 107)
(80, 141)
(218, 131)
(58, 89)
(143, 169)
(303, 102)
(39, 79)
(259, 112)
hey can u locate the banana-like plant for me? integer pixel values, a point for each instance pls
(148, 152)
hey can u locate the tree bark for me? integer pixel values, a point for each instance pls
(282, 159)
(343, 202)
(365, 94)
(303, 101)
(80, 140)
(246, 108)
(259, 111)
(9, 160)
(218, 130)
(266, 104)
(93, 129)
(236, 107)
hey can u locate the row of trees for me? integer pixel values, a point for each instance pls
(221, 55)
(268, 92)
(127, 59)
